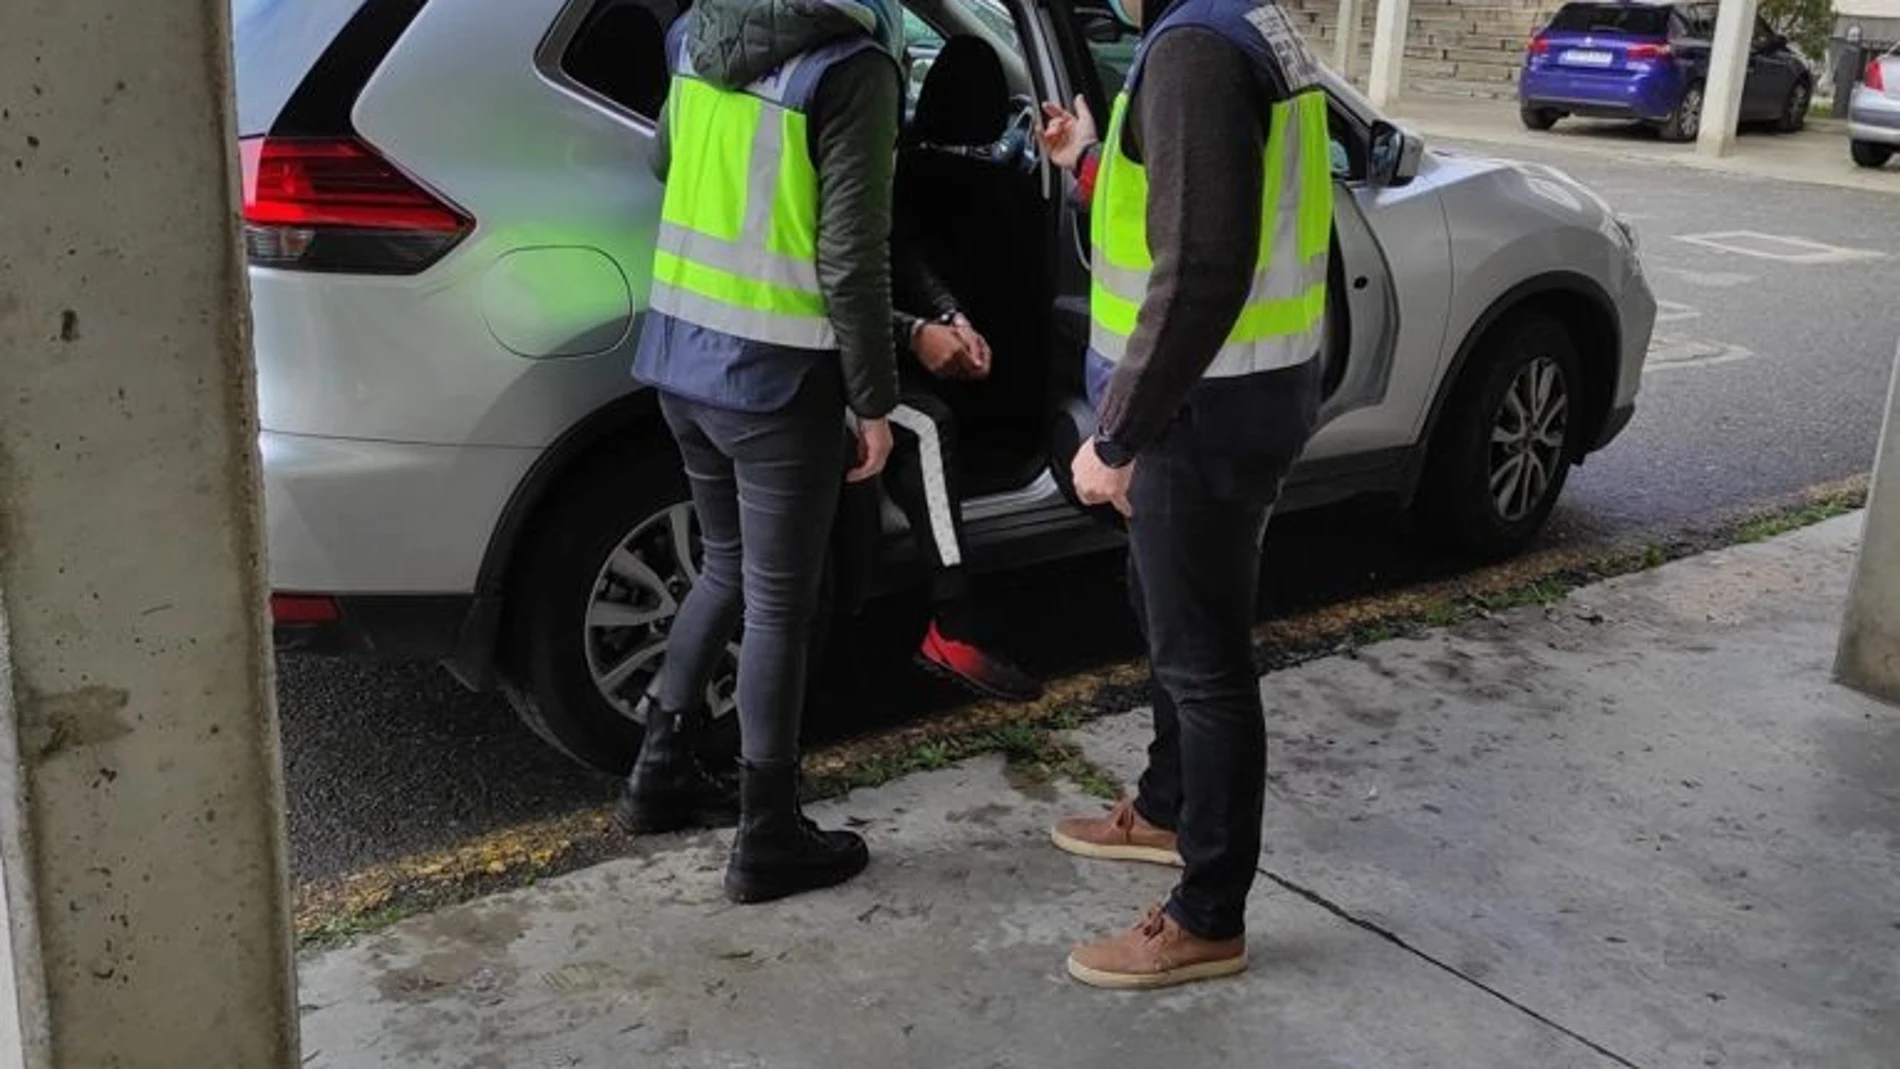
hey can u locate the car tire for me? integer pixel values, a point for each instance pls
(1685, 122)
(1871, 153)
(1516, 399)
(1794, 110)
(1539, 118)
(559, 652)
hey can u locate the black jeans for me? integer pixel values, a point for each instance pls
(1201, 500)
(766, 489)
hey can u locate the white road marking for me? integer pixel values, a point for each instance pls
(1714, 279)
(1675, 311)
(1673, 352)
(1788, 250)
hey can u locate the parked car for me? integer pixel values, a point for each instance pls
(450, 220)
(1649, 62)
(1873, 114)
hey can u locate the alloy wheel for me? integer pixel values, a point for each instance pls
(630, 614)
(1527, 438)
(1692, 113)
(1797, 106)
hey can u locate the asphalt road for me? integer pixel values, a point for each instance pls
(1768, 377)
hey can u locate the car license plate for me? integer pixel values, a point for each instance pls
(1578, 57)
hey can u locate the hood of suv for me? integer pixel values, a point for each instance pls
(737, 42)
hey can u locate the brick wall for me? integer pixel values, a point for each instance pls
(1452, 47)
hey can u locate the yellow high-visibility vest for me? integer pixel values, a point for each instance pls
(737, 249)
(1283, 322)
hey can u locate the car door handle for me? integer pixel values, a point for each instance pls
(1360, 282)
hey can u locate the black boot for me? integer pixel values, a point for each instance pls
(669, 789)
(778, 851)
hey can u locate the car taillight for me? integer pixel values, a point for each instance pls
(1875, 79)
(1648, 51)
(333, 204)
(295, 609)
(1539, 46)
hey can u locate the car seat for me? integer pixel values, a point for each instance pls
(966, 202)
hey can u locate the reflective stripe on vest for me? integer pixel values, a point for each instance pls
(737, 249)
(1283, 321)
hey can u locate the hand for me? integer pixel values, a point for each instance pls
(1096, 483)
(874, 448)
(1065, 134)
(976, 349)
(940, 349)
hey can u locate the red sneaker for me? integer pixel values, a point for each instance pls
(976, 668)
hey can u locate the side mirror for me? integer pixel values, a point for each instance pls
(1101, 29)
(1395, 155)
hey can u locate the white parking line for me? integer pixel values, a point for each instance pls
(1675, 311)
(1713, 279)
(1788, 250)
(1673, 352)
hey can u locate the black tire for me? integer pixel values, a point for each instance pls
(1794, 110)
(547, 673)
(1539, 118)
(1456, 503)
(1685, 122)
(1871, 153)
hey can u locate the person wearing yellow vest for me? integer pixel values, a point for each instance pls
(1210, 204)
(770, 319)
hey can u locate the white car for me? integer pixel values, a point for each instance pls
(1873, 113)
(450, 219)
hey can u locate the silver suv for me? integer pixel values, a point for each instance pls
(450, 220)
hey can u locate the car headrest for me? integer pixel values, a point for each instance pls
(965, 98)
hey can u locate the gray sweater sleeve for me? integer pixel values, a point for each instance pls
(854, 144)
(1200, 126)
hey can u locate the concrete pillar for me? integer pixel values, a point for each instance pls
(141, 811)
(1728, 71)
(1869, 657)
(1388, 53)
(1346, 44)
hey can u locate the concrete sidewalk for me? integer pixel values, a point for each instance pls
(1817, 155)
(1641, 827)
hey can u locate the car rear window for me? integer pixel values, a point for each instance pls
(1632, 20)
(620, 52)
(274, 44)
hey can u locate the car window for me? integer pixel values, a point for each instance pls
(1111, 44)
(619, 52)
(1699, 21)
(922, 41)
(275, 43)
(1631, 20)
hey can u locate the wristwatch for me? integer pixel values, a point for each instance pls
(1113, 453)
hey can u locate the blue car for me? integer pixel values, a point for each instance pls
(1649, 63)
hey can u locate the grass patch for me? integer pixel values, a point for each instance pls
(335, 931)
(1771, 525)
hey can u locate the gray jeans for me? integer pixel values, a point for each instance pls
(766, 488)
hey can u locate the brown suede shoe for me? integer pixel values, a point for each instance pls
(1156, 953)
(1118, 835)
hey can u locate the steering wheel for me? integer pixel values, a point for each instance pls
(1019, 144)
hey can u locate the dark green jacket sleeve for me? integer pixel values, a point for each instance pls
(854, 119)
